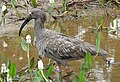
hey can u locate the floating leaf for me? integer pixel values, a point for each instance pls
(13, 70)
(24, 45)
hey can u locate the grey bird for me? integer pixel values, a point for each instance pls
(58, 46)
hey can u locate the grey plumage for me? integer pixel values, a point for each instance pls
(58, 46)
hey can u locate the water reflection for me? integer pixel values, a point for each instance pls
(114, 31)
(5, 44)
(81, 32)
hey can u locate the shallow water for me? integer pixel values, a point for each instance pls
(79, 28)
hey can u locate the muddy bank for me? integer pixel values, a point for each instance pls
(13, 23)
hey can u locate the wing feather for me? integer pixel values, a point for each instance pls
(66, 48)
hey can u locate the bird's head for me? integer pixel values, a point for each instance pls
(34, 14)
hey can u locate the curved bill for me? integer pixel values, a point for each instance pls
(24, 23)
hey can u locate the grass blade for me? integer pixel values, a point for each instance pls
(82, 75)
(13, 70)
(97, 42)
(88, 61)
(49, 71)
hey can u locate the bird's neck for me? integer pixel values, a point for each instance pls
(39, 28)
(40, 34)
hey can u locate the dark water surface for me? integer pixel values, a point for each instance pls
(10, 47)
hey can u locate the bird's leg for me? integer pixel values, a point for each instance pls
(68, 72)
(49, 61)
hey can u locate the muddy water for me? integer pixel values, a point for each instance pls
(10, 47)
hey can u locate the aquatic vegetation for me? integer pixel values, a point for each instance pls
(85, 67)
(37, 71)
(8, 72)
(40, 73)
(14, 4)
(89, 60)
(34, 3)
